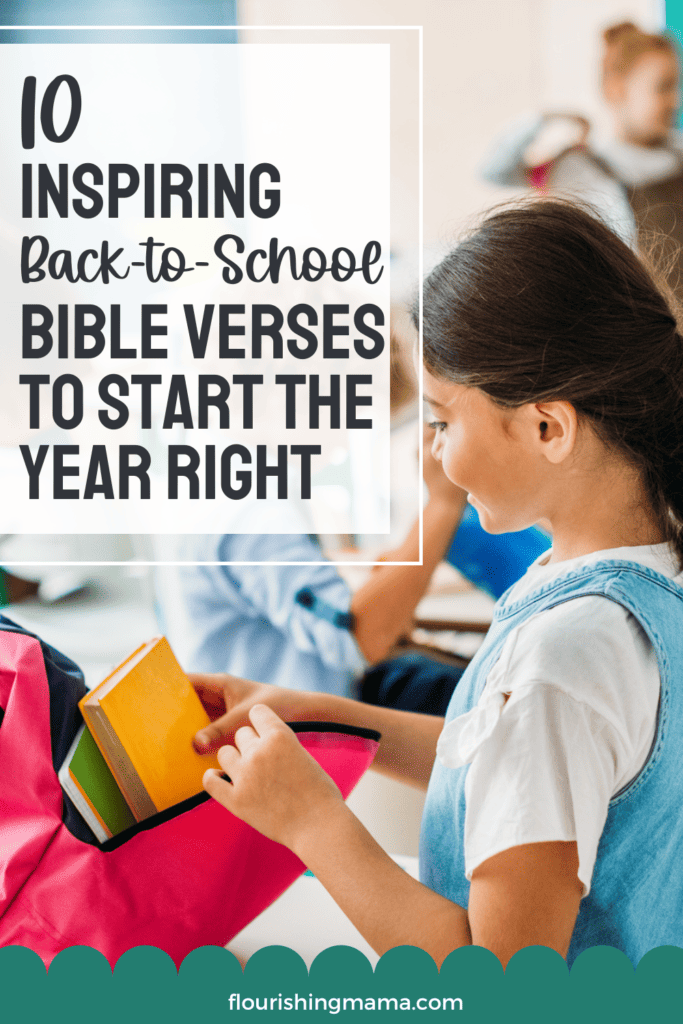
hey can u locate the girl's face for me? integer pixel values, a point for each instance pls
(646, 100)
(489, 452)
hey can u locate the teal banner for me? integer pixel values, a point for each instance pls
(674, 26)
(276, 985)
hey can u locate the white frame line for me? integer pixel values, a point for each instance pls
(297, 28)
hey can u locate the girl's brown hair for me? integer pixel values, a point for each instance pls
(543, 302)
(624, 45)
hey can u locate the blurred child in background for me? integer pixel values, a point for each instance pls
(633, 176)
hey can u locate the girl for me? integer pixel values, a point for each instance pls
(634, 174)
(554, 368)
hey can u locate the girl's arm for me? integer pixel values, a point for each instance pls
(406, 751)
(522, 897)
(526, 896)
(503, 163)
(528, 141)
(383, 607)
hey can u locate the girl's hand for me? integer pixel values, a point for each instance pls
(275, 785)
(228, 699)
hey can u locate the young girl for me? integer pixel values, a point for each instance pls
(554, 368)
(634, 173)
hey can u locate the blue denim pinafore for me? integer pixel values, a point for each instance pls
(636, 897)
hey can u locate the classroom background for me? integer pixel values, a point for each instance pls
(485, 63)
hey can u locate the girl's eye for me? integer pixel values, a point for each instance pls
(438, 427)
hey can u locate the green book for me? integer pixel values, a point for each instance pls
(86, 778)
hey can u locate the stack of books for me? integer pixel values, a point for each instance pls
(134, 756)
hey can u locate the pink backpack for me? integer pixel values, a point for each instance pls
(194, 875)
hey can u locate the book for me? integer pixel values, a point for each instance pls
(143, 717)
(86, 778)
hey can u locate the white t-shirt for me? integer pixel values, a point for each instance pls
(583, 685)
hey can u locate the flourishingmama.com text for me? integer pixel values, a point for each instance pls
(335, 1004)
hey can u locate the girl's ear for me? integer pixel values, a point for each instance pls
(555, 427)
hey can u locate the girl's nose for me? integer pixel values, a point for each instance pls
(437, 446)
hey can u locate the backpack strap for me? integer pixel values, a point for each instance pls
(539, 176)
(63, 685)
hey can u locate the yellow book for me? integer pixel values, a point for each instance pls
(143, 717)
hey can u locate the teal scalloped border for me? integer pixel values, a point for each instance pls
(144, 986)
